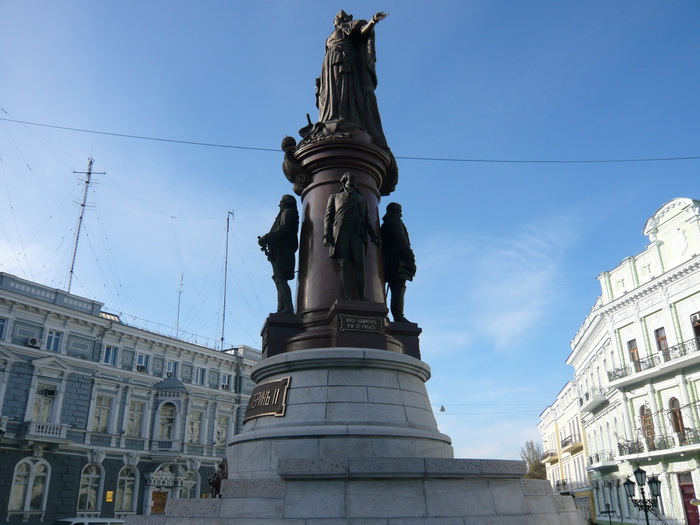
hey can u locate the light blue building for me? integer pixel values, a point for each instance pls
(99, 418)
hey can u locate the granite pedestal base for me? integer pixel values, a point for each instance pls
(358, 444)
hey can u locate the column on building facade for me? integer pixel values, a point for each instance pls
(626, 416)
(606, 287)
(204, 431)
(677, 330)
(127, 408)
(674, 506)
(4, 378)
(654, 407)
(148, 416)
(32, 395)
(655, 248)
(643, 341)
(648, 346)
(688, 415)
(114, 415)
(60, 396)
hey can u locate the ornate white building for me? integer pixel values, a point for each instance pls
(637, 371)
(102, 419)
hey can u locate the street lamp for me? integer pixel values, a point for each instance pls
(654, 487)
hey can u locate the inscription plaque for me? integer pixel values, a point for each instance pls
(268, 399)
(358, 323)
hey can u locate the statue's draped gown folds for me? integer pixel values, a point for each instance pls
(346, 98)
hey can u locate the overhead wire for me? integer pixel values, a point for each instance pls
(430, 159)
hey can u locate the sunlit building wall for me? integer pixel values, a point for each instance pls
(637, 369)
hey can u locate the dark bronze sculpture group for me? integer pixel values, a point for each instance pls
(346, 227)
(348, 111)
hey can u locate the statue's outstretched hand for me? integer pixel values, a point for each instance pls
(379, 16)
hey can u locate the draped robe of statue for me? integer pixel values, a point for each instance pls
(346, 98)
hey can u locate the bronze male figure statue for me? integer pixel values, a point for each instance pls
(399, 260)
(280, 244)
(345, 230)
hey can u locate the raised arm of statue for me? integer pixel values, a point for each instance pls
(375, 19)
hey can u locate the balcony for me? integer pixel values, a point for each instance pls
(43, 431)
(165, 445)
(550, 456)
(660, 443)
(689, 436)
(668, 360)
(566, 485)
(604, 459)
(571, 444)
(630, 447)
(592, 399)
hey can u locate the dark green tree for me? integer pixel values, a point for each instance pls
(531, 454)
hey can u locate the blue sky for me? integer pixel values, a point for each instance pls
(507, 252)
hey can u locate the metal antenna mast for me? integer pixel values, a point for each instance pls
(83, 205)
(223, 318)
(179, 295)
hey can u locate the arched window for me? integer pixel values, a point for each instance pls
(90, 481)
(676, 415)
(29, 486)
(167, 421)
(126, 490)
(190, 485)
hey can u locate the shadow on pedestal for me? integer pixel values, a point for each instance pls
(348, 324)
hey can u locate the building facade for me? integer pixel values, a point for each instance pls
(636, 362)
(103, 419)
(565, 450)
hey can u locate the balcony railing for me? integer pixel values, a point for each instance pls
(660, 443)
(604, 456)
(549, 455)
(164, 445)
(568, 441)
(569, 484)
(669, 354)
(630, 447)
(42, 429)
(689, 436)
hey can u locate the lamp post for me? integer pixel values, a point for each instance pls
(654, 487)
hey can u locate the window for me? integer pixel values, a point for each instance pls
(111, 355)
(171, 369)
(53, 340)
(3, 323)
(135, 421)
(88, 497)
(142, 363)
(103, 406)
(662, 343)
(226, 381)
(42, 411)
(674, 407)
(194, 427)
(221, 436)
(200, 375)
(29, 486)
(634, 354)
(126, 489)
(167, 421)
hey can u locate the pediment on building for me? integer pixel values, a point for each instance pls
(7, 356)
(667, 212)
(55, 365)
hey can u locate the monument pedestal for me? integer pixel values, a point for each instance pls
(355, 441)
